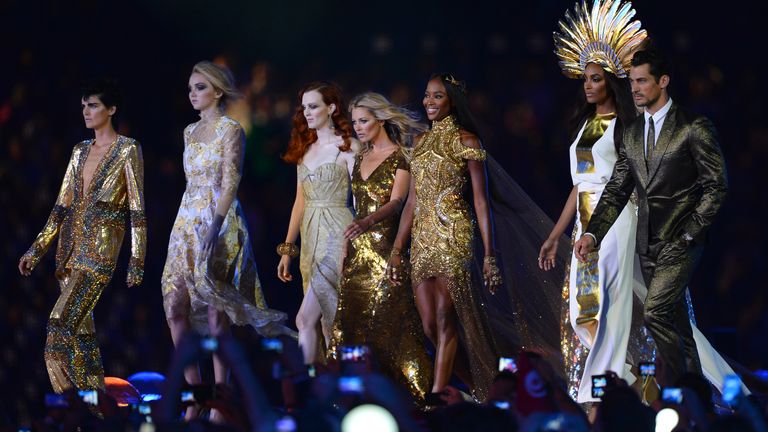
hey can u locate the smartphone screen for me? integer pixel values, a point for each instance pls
(507, 364)
(599, 382)
(351, 384)
(187, 397)
(647, 369)
(91, 397)
(731, 388)
(354, 353)
(272, 345)
(53, 400)
(209, 344)
(672, 395)
(501, 405)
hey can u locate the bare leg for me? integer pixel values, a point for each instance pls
(307, 320)
(218, 323)
(447, 338)
(179, 325)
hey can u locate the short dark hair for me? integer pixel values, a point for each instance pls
(105, 89)
(659, 65)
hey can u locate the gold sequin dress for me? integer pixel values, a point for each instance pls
(443, 235)
(213, 155)
(326, 215)
(372, 311)
(90, 226)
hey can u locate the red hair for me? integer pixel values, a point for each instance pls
(302, 136)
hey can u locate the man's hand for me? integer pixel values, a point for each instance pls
(584, 247)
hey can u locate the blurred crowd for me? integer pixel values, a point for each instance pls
(520, 99)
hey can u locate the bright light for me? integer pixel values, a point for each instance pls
(666, 420)
(369, 418)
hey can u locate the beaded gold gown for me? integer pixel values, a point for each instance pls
(213, 156)
(90, 225)
(373, 311)
(326, 215)
(443, 235)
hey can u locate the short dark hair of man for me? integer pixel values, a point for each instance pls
(103, 88)
(658, 64)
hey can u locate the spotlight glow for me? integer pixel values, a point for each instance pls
(666, 420)
(369, 418)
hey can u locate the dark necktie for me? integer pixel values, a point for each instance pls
(650, 142)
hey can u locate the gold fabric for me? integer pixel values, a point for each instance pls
(442, 237)
(593, 131)
(373, 311)
(326, 215)
(90, 225)
(587, 273)
(228, 282)
(603, 35)
(573, 351)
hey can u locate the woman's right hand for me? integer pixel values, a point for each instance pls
(395, 270)
(25, 265)
(548, 253)
(284, 269)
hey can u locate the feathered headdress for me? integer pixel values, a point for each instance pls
(603, 35)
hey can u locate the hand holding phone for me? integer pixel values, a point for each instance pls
(599, 384)
(647, 369)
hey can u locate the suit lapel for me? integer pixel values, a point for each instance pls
(635, 150)
(665, 136)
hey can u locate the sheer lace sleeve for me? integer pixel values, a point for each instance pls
(233, 142)
(60, 209)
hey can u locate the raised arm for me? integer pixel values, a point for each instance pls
(394, 205)
(134, 179)
(712, 177)
(44, 240)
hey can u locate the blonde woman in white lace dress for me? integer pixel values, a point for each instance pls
(210, 279)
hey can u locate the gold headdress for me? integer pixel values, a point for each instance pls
(603, 35)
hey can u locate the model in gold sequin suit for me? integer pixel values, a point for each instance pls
(213, 155)
(443, 235)
(90, 227)
(372, 310)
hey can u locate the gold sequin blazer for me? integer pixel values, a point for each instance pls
(91, 224)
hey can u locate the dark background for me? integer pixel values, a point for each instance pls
(503, 51)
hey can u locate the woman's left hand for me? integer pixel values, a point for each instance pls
(357, 227)
(491, 274)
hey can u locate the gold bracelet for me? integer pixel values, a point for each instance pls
(289, 249)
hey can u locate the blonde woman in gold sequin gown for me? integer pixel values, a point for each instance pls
(210, 279)
(372, 310)
(438, 218)
(321, 146)
(102, 188)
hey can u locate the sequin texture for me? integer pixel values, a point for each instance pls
(90, 226)
(373, 311)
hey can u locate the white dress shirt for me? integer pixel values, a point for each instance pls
(658, 122)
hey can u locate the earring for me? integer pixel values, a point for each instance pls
(330, 121)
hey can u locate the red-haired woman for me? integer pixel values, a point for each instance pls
(322, 148)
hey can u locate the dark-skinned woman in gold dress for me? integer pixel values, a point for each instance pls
(372, 310)
(440, 222)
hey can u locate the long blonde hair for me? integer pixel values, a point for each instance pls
(221, 79)
(400, 124)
